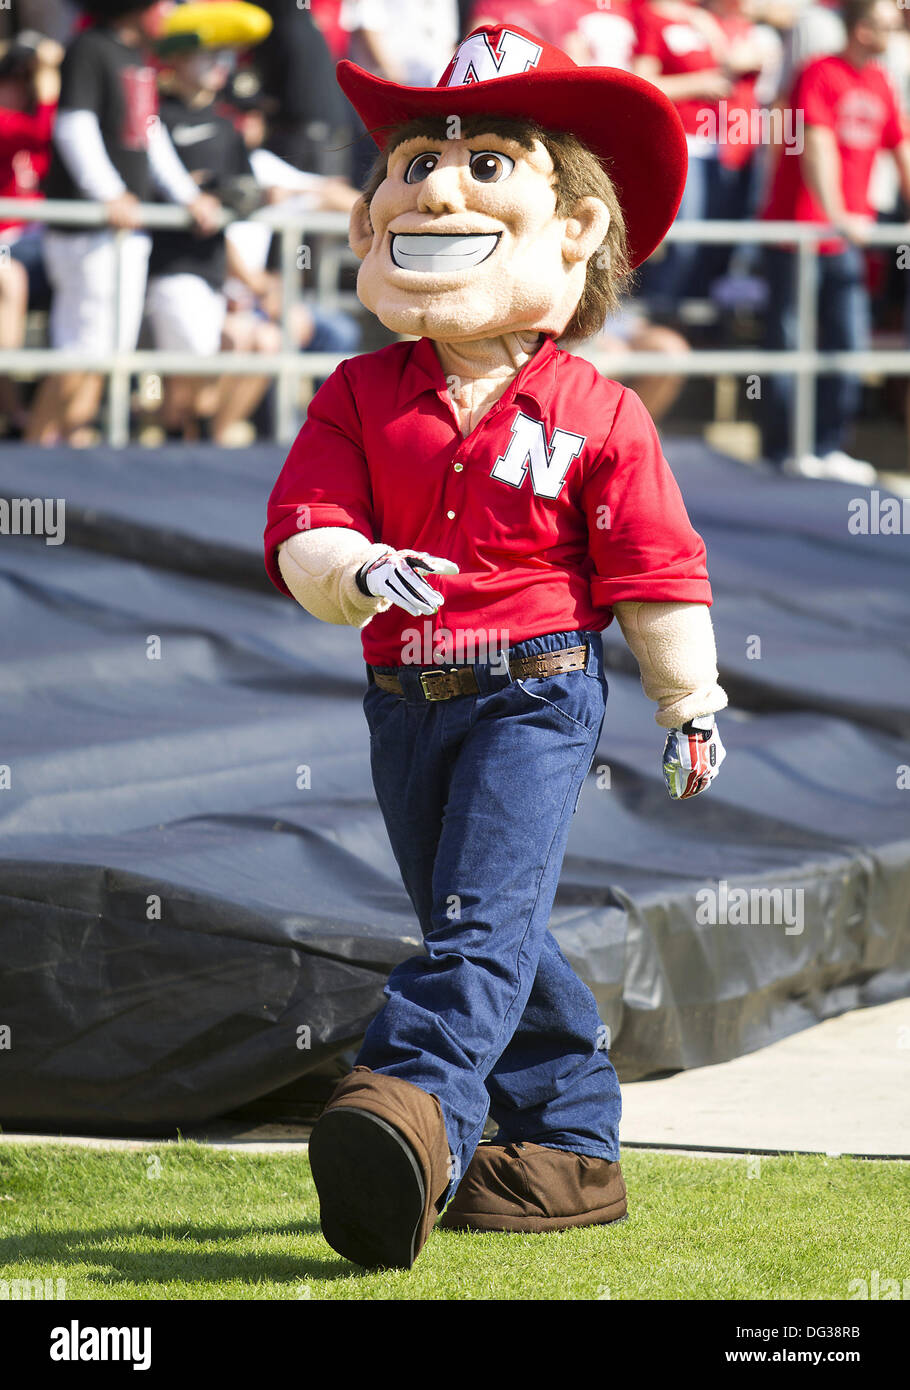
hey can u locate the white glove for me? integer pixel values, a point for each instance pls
(394, 576)
(692, 757)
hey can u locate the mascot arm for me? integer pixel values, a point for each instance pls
(673, 644)
(320, 567)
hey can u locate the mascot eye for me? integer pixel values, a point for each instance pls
(488, 167)
(419, 168)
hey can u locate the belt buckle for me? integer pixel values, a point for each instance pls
(428, 676)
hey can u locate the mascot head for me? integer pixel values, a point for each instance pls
(516, 195)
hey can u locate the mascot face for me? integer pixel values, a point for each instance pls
(462, 240)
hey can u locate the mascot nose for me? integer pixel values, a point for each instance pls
(442, 190)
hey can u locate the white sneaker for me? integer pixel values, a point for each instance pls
(807, 466)
(841, 466)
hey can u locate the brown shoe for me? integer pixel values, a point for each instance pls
(380, 1161)
(529, 1187)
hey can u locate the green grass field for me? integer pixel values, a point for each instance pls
(187, 1222)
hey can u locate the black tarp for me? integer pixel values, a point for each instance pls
(178, 780)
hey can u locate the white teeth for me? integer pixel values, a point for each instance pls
(435, 253)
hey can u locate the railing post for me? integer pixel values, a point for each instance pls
(288, 380)
(803, 423)
(118, 400)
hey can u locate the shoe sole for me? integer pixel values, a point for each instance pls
(527, 1225)
(371, 1190)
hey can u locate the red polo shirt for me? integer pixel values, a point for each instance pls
(558, 504)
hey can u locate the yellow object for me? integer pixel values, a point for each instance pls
(219, 23)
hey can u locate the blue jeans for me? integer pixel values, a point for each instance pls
(843, 325)
(478, 794)
(333, 331)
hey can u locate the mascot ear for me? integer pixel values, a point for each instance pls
(360, 233)
(585, 229)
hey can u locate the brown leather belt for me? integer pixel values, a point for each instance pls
(439, 684)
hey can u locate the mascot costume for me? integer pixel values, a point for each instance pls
(505, 211)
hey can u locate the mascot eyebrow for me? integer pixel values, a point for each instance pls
(577, 174)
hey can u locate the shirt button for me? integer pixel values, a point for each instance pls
(459, 467)
(450, 515)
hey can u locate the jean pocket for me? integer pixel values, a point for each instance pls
(577, 701)
(378, 706)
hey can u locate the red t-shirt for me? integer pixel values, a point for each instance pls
(563, 503)
(860, 106)
(679, 47)
(25, 152)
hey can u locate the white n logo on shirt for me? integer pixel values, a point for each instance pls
(475, 60)
(549, 463)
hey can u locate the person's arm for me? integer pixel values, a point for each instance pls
(821, 169)
(169, 174)
(682, 86)
(282, 179)
(174, 180)
(381, 55)
(80, 145)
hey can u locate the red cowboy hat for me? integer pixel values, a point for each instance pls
(502, 70)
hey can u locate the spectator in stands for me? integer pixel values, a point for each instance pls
(327, 14)
(253, 317)
(29, 86)
(682, 49)
(754, 56)
(816, 31)
(248, 107)
(850, 112)
(407, 41)
(186, 303)
(312, 122)
(110, 147)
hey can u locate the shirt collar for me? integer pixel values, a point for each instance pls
(534, 380)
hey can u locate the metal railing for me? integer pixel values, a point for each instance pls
(289, 366)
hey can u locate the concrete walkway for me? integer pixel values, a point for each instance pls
(842, 1087)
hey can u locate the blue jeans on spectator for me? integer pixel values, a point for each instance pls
(478, 794)
(843, 326)
(333, 331)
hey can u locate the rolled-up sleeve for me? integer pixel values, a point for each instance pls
(641, 541)
(325, 480)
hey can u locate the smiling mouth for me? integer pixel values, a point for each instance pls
(436, 252)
